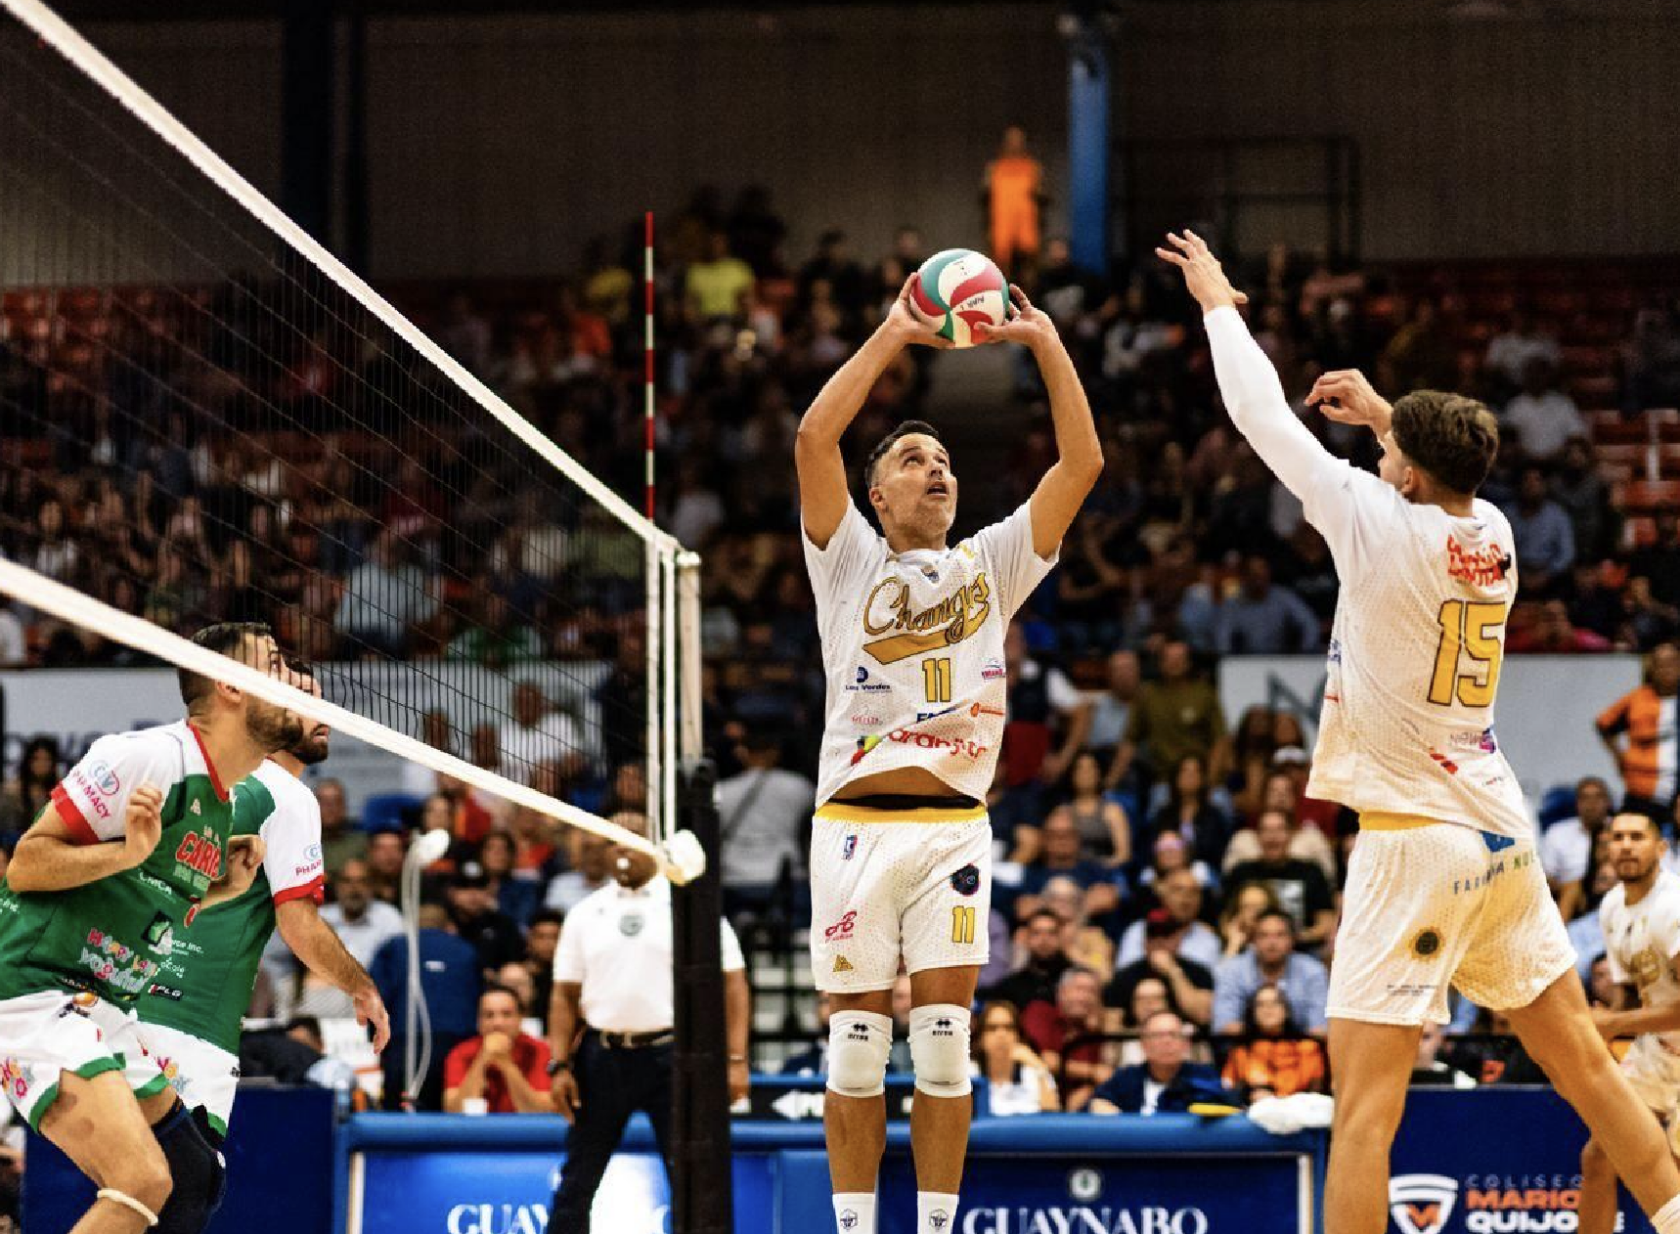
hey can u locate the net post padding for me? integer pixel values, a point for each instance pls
(40, 592)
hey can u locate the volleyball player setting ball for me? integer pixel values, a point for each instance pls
(913, 649)
(1444, 887)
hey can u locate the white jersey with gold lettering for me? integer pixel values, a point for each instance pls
(1419, 634)
(1641, 942)
(913, 650)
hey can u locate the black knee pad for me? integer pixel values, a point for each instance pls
(199, 1176)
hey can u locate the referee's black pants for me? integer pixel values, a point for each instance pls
(612, 1085)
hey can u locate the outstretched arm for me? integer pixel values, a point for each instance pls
(1079, 460)
(816, 450)
(315, 942)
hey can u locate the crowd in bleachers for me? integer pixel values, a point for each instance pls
(1163, 880)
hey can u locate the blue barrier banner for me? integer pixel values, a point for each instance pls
(1492, 1161)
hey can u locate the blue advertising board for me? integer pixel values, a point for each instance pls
(1493, 1161)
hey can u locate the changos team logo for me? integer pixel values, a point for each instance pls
(1421, 1203)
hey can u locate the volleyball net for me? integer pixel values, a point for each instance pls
(205, 416)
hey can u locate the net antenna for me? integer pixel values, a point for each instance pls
(148, 306)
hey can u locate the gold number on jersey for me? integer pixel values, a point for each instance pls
(1473, 628)
(962, 923)
(936, 676)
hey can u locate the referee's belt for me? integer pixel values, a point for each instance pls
(634, 1041)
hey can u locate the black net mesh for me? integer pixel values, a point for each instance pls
(197, 424)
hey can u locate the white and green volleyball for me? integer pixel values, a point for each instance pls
(961, 289)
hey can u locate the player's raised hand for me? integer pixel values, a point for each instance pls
(1027, 324)
(909, 323)
(143, 823)
(244, 858)
(370, 1009)
(1346, 397)
(1203, 275)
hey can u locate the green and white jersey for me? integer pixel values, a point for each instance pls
(111, 937)
(204, 985)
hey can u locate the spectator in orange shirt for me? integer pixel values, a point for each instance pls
(1014, 193)
(1649, 756)
(1275, 1058)
(502, 1067)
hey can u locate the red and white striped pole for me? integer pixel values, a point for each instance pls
(647, 358)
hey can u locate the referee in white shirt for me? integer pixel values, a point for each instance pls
(610, 1025)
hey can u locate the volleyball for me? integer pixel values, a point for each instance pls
(960, 289)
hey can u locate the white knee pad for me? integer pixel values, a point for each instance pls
(939, 1049)
(113, 1196)
(858, 1045)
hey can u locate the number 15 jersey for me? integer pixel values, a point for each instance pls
(1419, 635)
(912, 649)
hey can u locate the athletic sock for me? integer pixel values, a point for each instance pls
(1666, 1220)
(854, 1212)
(935, 1213)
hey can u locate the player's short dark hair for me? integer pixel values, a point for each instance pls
(1453, 438)
(886, 443)
(224, 637)
(1644, 816)
(1275, 914)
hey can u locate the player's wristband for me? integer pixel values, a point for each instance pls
(557, 1065)
(737, 1058)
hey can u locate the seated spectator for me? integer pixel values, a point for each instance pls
(1582, 900)
(1543, 417)
(1252, 747)
(1100, 826)
(1189, 983)
(502, 1070)
(341, 839)
(515, 976)
(1179, 922)
(1059, 856)
(1315, 844)
(1271, 960)
(591, 870)
(1019, 1081)
(1510, 352)
(469, 817)
(813, 1060)
(1068, 1035)
(385, 852)
(1294, 763)
(535, 857)
(1263, 617)
(1147, 996)
(515, 898)
(472, 905)
(361, 922)
(1241, 911)
(1492, 1054)
(1543, 535)
(450, 978)
(1165, 1083)
(534, 734)
(1300, 886)
(1566, 847)
(1428, 1069)
(542, 939)
(1086, 943)
(1274, 1058)
(1191, 815)
(1554, 632)
(762, 816)
(1046, 960)
(1110, 712)
(1169, 854)
(1177, 714)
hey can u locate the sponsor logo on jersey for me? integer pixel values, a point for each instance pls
(848, 1219)
(160, 935)
(163, 991)
(200, 853)
(867, 719)
(909, 631)
(1481, 567)
(91, 793)
(104, 779)
(841, 929)
(861, 684)
(842, 964)
(848, 848)
(966, 881)
(196, 807)
(992, 670)
(312, 853)
(1427, 943)
(1421, 1203)
(630, 925)
(1482, 740)
(1446, 764)
(16, 1077)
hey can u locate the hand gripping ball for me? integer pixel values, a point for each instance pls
(959, 289)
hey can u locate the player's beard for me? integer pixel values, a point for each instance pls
(312, 749)
(270, 727)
